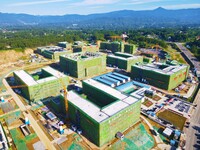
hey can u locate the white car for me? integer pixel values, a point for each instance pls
(79, 131)
(74, 128)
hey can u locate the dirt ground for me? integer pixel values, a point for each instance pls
(9, 58)
(30, 143)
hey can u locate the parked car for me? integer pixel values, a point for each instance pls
(74, 128)
(79, 131)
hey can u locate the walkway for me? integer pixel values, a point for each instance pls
(157, 138)
(33, 122)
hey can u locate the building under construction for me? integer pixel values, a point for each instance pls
(118, 47)
(65, 45)
(103, 110)
(48, 82)
(165, 76)
(123, 60)
(85, 48)
(53, 52)
(85, 64)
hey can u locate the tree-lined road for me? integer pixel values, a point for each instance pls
(191, 137)
(190, 56)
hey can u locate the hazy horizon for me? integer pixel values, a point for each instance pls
(84, 7)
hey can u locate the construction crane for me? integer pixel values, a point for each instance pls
(122, 37)
(157, 47)
(65, 96)
(115, 37)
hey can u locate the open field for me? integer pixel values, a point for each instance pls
(175, 55)
(173, 118)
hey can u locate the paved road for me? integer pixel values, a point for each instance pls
(33, 122)
(191, 138)
(189, 55)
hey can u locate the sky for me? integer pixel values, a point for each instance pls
(62, 7)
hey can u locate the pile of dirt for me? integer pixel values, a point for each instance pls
(11, 57)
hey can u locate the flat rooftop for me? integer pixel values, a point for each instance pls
(30, 81)
(115, 93)
(112, 79)
(86, 106)
(124, 56)
(122, 84)
(52, 49)
(54, 72)
(95, 112)
(161, 68)
(122, 100)
(83, 55)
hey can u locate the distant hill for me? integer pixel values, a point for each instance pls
(159, 17)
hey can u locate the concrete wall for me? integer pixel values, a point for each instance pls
(103, 132)
(130, 48)
(159, 80)
(118, 47)
(119, 122)
(97, 96)
(93, 48)
(56, 55)
(122, 63)
(83, 68)
(42, 90)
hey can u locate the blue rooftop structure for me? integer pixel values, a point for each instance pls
(141, 84)
(177, 133)
(115, 77)
(172, 142)
(109, 83)
(122, 76)
(112, 79)
(123, 84)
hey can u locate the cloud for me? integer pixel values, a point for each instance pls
(37, 2)
(136, 2)
(96, 2)
(179, 6)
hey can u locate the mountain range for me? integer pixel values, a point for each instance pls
(159, 17)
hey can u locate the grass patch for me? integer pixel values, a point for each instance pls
(177, 120)
(19, 50)
(175, 55)
(147, 103)
(160, 131)
(195, 92)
